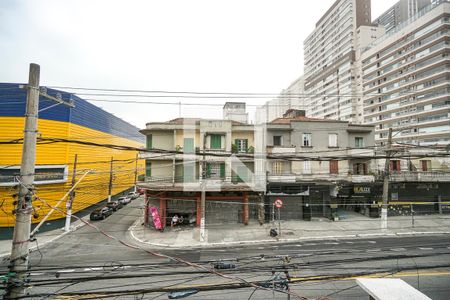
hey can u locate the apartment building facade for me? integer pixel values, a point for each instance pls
(406, 80)
(330, 73)
(293, 97)
(193, 152)
(333, 162)
(399, 13)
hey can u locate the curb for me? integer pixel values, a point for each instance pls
(43, 244)
(271, 241)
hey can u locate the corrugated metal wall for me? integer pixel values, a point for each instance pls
(54, 123)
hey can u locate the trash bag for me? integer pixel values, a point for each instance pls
(273, 232)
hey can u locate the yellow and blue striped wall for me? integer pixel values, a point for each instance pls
(85, 122)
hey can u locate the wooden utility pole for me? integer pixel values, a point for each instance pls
(385, 199)
(72, 196)
(17, 283)
(203, 197)
(136, 172)
(110, 186)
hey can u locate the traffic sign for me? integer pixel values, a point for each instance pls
(278, 203)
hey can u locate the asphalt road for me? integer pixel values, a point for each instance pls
(89, 263)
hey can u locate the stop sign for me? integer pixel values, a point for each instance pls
(278, 203)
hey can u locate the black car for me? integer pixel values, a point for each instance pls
(100, 213)
(114, 205)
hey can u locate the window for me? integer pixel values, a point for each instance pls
(242, 145)
(277, 167)
(360, 169)
(426, 165)
(149, 141)
(395, 166)
(148, 169)
(215, 170)
(359, 142)
(277, 140)
(334, 167)
(332, 140)
(307, 140)
(307, 167)
(216, 141)
(44, 174)
(188, 145)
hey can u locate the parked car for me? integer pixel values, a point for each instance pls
(124, 200)
(133, 195)
(114, 205)
(100, 213)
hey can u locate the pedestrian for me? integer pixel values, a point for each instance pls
(174, 220)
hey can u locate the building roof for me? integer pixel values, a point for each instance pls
(196, 121)
(303, 119)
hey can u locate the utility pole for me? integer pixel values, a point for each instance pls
(136, 173)
(203, 196)
(386, 182)
(72, 196)
(17, 284)
(110, 180)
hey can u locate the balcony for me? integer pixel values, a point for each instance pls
(420, 177)
(280, 149)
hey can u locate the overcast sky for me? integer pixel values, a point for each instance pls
(206, 46)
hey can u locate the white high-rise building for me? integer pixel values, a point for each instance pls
(406, 79)
(329, 61)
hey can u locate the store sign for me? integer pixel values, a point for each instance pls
(361, 190)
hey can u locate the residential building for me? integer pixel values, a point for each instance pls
(400, 12)
(293, 97)
(329, 157)
(74, 127)
(406, 80)
(235, 111)
(329, 61)
(215, 153)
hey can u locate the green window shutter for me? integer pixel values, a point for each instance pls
(236, 142)
(216, 141)
(245, 145)
(149, 141)
(148, 169)
(208, 170)
(222, 170)
(188, 146)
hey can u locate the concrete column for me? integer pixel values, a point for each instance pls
(245, 212)
(162, 209)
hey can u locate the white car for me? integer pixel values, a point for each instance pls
(133, 195)
(124, 200)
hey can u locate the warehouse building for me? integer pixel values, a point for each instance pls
(74, 128)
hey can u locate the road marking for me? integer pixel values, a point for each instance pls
(349, 242)
(92, 269)
(331, 243)
(311, 244)
(373, 250)
(302, 245)
(66, 271)
(398, 249)
(36, 274)
(425, 248)
(260, 248)
(371, 242)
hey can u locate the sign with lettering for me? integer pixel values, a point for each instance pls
(361, 189)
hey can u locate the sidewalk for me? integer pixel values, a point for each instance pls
(353, 226)
(42, 238)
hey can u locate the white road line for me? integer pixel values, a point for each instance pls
(92, 269)
(298, 245)
(398, 249)
(260, 248)
(371, 242)
(373, 250)
(311, 244)
(36, 274)
(425, 248)
(331, 243)
(66, 271)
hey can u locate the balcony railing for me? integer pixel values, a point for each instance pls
(418, 176)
